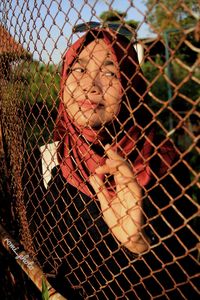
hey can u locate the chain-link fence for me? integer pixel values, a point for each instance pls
(99, 147)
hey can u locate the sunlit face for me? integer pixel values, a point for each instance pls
(92, 90)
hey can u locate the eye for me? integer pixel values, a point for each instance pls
(110, 74)
(78, 69)
(109, 71)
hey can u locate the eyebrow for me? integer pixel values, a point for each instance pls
(81, 60)
(107, 62)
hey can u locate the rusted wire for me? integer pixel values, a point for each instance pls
(27, 264)
(60, 228)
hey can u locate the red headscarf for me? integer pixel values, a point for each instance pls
(81, 151)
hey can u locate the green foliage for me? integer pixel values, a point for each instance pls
(186, 93)
(154, 72)
(166, 14)
(42, 81)
(112, 16)
(188, 88)
(40, 100)
(117, 17)
(132, 23)
(45, 293)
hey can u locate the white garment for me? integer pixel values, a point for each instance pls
(49, 160)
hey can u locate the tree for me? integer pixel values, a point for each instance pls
(167, 14)
(112, 16)
(38, 85)
(179, 72)
(117, 17)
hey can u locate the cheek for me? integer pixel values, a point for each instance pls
(113, 97)
(114, 106)
(66, 96)
(69, 90)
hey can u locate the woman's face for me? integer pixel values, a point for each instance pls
(92, 91)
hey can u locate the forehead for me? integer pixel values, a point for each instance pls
(97, 48)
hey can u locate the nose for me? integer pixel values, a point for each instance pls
(92, 84)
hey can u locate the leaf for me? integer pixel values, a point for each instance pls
(45, 293)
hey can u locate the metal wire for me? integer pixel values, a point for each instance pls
(60, 226)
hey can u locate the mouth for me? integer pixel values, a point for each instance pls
(89, 104)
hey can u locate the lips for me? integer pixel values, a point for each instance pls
(88, 104)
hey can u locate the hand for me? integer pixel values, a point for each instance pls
(122, 212)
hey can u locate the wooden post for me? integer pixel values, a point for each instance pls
(27, 264)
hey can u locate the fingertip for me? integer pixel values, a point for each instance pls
(107, 147)
(98, 170)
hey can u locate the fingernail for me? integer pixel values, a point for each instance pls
(107, 146)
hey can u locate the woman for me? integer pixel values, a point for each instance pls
(104, 202)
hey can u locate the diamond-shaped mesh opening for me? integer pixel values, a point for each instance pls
(99, 145)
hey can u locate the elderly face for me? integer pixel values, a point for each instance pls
(92, 90)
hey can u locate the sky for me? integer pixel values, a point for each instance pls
(44, 27)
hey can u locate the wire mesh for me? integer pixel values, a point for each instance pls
(100, 143)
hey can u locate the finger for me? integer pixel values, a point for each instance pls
(120, 167)
(100, 190)
(121, 170)
(112, 154)
(130, 192)
(111, 166)
(123, 180)
(102, 169)
(105, 200)
(116, 161)
(113, 163)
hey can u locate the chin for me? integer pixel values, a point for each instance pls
(92, 124)
(92, 121)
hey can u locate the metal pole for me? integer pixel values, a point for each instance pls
(168, 73)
